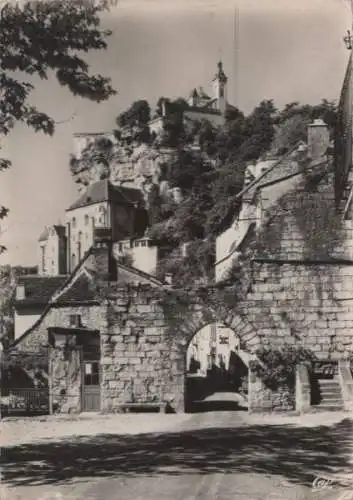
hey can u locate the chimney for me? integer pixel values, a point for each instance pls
(164, 110)
(318, 139)
(103, 263)
(168, 278)
(20, 292)
(68, 247)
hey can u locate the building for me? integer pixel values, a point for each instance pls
(265, 183)
(203, 107)
(114, 335)
(32, 296)
(200, 105)
(118, 210)
(52, 251)
(143, 253)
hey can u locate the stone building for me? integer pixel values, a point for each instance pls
(201, 105)
(114, 335)
(52, 251)
(265, 183)
(102, 206)
(32, 296)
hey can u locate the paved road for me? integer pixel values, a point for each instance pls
(215, 455)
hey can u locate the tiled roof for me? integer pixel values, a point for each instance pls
(129, 274)
(39, 289)
(44, 235)
(81, 290)
(281, 168)
(205, 110)
(104, 191)
(60, 231)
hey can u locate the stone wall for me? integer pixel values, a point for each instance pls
(263, 399)
(138, 361)
(65, 380)
(305, 304)
(36, 339)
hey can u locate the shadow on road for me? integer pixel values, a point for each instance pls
(297, 454)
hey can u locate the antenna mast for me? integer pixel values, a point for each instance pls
(235, 57)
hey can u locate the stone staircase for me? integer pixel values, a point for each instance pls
(329, 395)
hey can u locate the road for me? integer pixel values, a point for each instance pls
(217, 455)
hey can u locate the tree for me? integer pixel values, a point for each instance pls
(288, 133)
(259, 131)
(139, 114)
(43, 37)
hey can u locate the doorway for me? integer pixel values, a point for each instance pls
(91, 386)
(91, 373)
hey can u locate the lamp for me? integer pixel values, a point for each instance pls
(348, 39)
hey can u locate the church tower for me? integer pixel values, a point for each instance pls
(220, 88)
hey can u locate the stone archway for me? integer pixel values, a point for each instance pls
(217, 371)
(200, 317)
(195, 319)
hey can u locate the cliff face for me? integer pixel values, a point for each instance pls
(135, 164)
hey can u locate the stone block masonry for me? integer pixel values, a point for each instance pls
(310, 305)
(138, 357)
(143, 348)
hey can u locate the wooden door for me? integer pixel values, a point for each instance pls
(91, 386)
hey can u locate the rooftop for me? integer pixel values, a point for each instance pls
(105, 191)
(59, 229)
(39, 289)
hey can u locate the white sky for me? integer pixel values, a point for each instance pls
(286, 50)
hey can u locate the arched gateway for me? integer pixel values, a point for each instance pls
(186, 325)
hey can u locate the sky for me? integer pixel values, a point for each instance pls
(271, 49)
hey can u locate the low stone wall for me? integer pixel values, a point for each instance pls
(262, 399)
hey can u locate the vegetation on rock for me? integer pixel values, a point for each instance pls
(208, 168)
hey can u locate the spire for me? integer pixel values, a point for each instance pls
(220, 75)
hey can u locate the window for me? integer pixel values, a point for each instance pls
(73, 222)
(79, 246)
(103, 217)
(221, 92)
(91, 373)
(43, 258)
(75, 320)
(73, 261)
(143, 243)
(86, 220)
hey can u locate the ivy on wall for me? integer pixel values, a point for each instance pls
(277, 367)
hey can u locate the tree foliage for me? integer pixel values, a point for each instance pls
(276, 367)
(138, 114)
(40, 38)
(208, 167)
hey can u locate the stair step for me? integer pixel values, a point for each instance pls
(331, 396)
(329, 408)
(329, 386)
(330, 402)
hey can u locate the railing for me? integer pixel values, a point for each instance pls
(25, 402)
